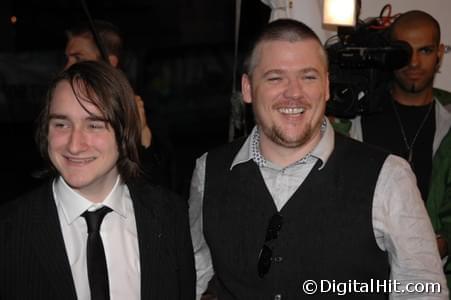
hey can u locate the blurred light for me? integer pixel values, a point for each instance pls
(13, 20)
(339, 12)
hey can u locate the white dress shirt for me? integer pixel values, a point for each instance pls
(119, 236)
(400, 222)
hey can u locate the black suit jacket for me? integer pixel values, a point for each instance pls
(34, 263)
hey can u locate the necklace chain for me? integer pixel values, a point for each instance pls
(403, 132)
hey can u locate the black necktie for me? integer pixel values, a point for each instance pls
(97, 268)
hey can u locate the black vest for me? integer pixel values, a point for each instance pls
(327, 232)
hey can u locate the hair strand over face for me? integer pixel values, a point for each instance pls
(108, 89)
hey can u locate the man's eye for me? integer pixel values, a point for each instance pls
(97, 125)
(310, 77)
(274, 78)
(427, 50)
(59, 125)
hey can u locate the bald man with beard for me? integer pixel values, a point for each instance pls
(415, 120)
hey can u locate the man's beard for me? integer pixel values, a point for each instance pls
(277, 136)
(413, 88)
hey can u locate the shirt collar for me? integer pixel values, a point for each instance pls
(251, 148)
(73, 204)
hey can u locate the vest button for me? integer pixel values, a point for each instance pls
(278, 259)
(278, 297)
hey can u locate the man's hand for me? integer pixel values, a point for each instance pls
(146, 134)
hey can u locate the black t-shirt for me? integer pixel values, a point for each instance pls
(385, 130)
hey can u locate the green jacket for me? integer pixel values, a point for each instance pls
(439, 197)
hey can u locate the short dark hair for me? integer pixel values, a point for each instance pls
(415, 18)
(110, 36)
(108, 89)
(281, 30)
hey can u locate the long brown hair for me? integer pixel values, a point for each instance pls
(108, 89)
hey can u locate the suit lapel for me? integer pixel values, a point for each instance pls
(49, 245)
(149, 234)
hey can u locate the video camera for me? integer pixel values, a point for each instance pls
(360, 67)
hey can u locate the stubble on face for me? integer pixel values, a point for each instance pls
(278, 135)
(418, 76)
(412, 87)
(285, 130)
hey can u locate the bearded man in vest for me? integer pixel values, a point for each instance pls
(295, 206)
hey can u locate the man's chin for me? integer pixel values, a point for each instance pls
(291, 142)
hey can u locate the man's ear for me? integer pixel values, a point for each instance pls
(327, 87)
(441, 51)
(246, 88)
(114, 61)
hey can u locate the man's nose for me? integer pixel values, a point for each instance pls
(294, 89)
(414, 59)
(77, 141)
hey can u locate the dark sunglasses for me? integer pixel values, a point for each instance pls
(265, 256)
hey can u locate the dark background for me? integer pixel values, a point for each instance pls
(179, 57)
